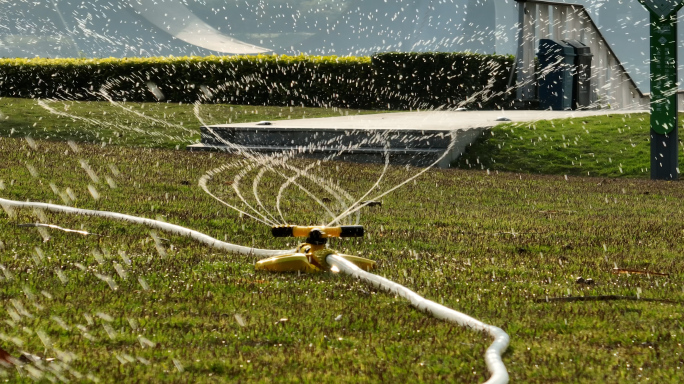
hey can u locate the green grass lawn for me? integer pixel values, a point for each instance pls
(130, 124)
(606, 146)
(132, 305)
(121, 308)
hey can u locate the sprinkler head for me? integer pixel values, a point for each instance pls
(317, 235)
(311, 255)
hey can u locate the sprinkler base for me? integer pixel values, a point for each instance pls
(309, 258)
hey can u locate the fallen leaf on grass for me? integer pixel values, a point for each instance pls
(514, 233)
(5, 357)
(604, 298)
(372, 203)
(638, 272)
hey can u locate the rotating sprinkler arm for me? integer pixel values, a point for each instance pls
(317, 234)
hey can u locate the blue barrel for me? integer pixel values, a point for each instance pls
(581, 94)
(556, 74)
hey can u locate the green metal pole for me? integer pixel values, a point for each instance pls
(664, 132)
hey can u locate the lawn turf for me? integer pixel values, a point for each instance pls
(152, 125)
(124, 307)
(602, 146)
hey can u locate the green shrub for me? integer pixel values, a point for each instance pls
(400, 81)
(430, 80)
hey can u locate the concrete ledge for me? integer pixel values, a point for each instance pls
(410, 138)
(398, 156)
(369, 146)
(324, 136)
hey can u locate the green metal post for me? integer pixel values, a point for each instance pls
(664, 131)
(664, 78)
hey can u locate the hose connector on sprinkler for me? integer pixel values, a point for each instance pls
(311, 255)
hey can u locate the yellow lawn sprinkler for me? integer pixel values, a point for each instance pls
(310, 256)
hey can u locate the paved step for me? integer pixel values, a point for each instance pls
(418, 148)
(409, 138)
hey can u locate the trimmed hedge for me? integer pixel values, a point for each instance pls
(397, 80)
(421, 80)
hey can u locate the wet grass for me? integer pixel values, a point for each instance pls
(153, 125)
(494, 246)
(602, 146)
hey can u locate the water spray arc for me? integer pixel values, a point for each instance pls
(312, 255)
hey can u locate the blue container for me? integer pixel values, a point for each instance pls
(581, 94)
(556, 74)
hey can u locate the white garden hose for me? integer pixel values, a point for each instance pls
(493, 355)
(495, 365)
(172, 228)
